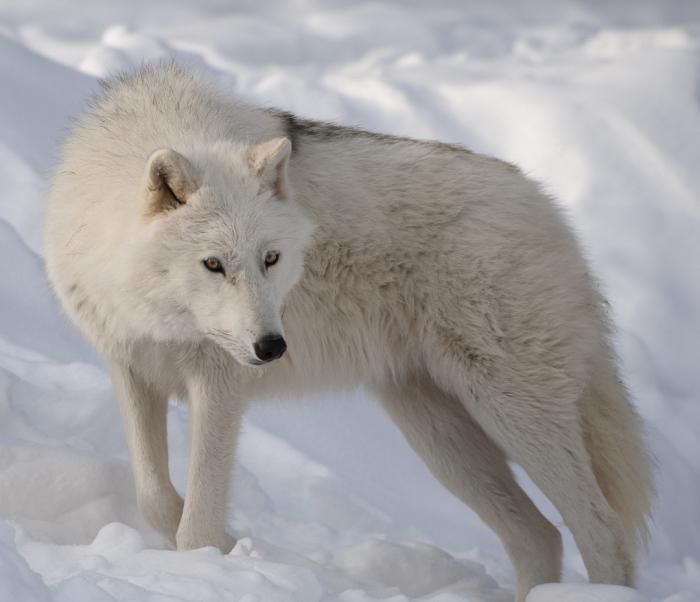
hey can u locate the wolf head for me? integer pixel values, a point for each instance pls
(224, 244)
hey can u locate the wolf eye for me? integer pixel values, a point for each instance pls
(213, 265)
(271, 258)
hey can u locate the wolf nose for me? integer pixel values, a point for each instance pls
(270, 347)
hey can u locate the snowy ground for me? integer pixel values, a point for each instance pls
(600, 101)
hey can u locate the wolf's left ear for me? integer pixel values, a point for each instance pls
(170, 180)
(270, 160)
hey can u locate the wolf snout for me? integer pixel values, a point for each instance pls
(270, 347)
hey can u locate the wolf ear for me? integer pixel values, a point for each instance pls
(270, 160)
(170, 180)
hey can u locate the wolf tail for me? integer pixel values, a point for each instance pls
(615, 443)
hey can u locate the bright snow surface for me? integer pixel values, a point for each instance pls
(599, 101)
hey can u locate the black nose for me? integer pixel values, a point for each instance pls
(270, 347)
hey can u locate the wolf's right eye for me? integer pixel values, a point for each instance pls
(213, 265)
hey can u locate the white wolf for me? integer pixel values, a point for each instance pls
(194, 238)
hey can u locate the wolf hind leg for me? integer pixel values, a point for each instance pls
(546, 439)
(471, 466)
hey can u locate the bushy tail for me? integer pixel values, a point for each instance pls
(615, 442)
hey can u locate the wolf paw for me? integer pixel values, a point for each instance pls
(188, 540)
(163, 510)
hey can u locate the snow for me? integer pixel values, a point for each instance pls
(599, 101)
(583, 593)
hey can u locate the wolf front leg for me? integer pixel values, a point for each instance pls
(144, 412)
(215, 418)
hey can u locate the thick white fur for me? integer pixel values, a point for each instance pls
(444, 281)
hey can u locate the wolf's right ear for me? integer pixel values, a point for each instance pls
(170, 181)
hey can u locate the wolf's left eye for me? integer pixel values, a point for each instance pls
(271, 258)
(213, 265)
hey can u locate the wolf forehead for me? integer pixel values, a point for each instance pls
(226, 189)
(215, 168)
(218, 172)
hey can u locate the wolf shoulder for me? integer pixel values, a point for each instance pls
(419, 187)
